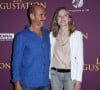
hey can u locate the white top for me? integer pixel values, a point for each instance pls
(76, 47)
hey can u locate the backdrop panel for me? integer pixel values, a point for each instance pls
(86, 15)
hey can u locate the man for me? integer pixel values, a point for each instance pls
(31, 53)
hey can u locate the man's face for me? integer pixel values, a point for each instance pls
(39, 16)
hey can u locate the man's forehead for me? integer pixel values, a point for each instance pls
(39, 8)
(42, 4)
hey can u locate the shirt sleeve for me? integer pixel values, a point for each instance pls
(16, 58)
(80, 58)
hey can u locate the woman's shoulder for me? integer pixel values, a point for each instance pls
(77, 32)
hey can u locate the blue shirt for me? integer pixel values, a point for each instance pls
(31, 58)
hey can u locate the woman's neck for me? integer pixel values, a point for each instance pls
(63, 30)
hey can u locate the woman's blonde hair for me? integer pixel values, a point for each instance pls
(55, 27)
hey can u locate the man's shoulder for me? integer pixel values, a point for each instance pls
(21, 33)
(46, 30)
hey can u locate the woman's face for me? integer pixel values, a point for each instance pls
(62, 18)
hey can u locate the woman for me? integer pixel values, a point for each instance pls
(66, 52)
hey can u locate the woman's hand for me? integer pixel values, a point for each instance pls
(77, 85)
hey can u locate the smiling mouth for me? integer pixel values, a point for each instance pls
(62, 21)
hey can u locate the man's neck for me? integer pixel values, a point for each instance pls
(36, 30)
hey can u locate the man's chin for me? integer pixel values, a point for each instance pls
(42, 24)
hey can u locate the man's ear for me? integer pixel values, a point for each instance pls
(32, 16)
